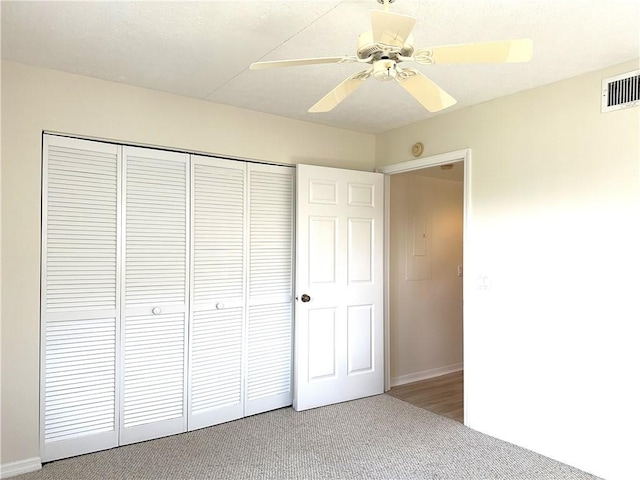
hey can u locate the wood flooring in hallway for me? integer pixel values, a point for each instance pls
(441, 395)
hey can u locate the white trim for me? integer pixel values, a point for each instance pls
(43, 289)
(246, 247)
(431, 161)
(186, 372)
(467, 262)
(192, 208)
(27, 465)
(386, 284)
(121, 289)
(120, 303)
(127, 143)
(463, 155)
(418, 376)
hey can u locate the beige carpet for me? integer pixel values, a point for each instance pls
(374, 438)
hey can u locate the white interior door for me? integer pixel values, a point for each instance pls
(339, 286)
(156, 276)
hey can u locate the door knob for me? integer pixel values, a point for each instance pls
(156, 311)
(305, 298)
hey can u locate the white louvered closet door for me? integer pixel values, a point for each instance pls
(80, 297)
(270, 276)
(155, 284)
(218, 292)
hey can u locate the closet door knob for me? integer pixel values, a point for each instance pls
(156, 311)
(305, 298)
(219, 306)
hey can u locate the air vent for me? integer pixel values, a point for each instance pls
(621, 91)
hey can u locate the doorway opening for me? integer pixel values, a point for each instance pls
(425, 202)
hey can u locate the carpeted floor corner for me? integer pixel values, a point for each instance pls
(373, 438)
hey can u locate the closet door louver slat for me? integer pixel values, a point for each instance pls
(80, 380)
(269, 346)
(270, 272)
(218, 232)
(216, 368)
(73, 213)
(156, 229)
(218, 307)
(79, 297)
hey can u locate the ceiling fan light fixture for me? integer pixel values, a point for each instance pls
(384, 70)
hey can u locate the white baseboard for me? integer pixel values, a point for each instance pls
(27, 465)
(417, 376)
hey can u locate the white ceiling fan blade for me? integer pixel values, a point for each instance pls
(391, 28)
(508, 51)
(338, 94)
(425, 91)
(300, 62)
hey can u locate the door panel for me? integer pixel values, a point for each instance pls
(154, 368)
(268, 379)
(80, 297)
(360, 339)
(218, 305)
(269, 345)
(339, 331)
(216, 367)
(360, 251)
(323, 350)
(323, 240)
(156, 252)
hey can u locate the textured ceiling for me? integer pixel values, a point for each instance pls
(204, 49)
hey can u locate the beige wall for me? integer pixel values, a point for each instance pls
(425, 291)
(34, 100)
(551, 347)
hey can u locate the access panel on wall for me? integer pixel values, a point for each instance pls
(166, 293)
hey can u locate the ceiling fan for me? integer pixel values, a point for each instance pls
(389, 44)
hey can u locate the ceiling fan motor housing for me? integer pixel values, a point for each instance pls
(367, 48)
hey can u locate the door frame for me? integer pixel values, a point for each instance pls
(463, 155)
